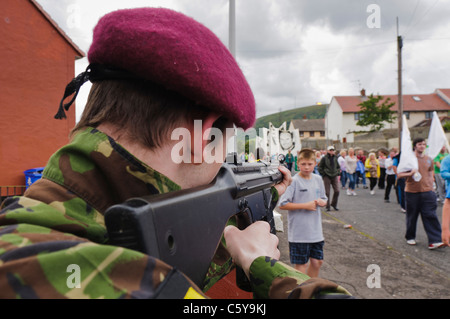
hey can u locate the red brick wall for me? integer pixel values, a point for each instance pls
(36, 63)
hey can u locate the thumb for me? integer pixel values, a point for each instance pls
(229, 231)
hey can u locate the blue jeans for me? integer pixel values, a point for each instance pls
(351, 180)
(363, 176)
(343, 178)
(401, 192)
(425, 205)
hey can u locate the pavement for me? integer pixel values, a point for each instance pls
(371, 259)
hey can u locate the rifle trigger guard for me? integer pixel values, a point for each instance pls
(243, 204)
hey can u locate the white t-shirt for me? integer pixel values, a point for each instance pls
(304, 226)
(389, 162)
(342, 164)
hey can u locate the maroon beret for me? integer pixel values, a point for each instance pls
(177, 52)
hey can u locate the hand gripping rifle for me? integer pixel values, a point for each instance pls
(184, 228)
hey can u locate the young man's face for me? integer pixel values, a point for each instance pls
(306, 166)
(285, 140)
(420, 147)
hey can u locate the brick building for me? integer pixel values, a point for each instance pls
(37, 60)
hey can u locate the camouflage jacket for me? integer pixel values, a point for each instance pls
(53, 240)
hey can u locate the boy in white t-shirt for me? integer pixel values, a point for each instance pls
(303, 199)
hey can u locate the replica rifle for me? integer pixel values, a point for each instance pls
(184, 228)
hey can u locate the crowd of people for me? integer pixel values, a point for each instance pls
(377, 170)
(356, 169)
(418, 192)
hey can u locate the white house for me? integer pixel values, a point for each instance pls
(342, 114)
(309, 128)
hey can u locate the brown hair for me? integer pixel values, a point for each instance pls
(306, 154)
(149, 112)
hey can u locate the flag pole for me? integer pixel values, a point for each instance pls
(400, 96)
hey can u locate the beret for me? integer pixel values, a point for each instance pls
(177, 52)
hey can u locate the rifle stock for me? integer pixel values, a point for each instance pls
(184, 228)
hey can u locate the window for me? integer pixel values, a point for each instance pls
(302, 133)
(358, 116)
(322, 133)
(428, 115)
(416, 98)
(311, 134)
(407, 114)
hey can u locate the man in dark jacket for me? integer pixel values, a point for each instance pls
(329, 169)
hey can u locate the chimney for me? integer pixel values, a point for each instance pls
(363, 92)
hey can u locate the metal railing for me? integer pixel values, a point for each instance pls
(11, 190)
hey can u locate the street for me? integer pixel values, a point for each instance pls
(374, 250)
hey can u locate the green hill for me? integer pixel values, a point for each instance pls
(311, 112)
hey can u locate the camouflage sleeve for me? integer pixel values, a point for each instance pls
(273, 279)
(37, 261)
(275, 195)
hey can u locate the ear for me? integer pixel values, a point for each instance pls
(202, 130)
(206, 128)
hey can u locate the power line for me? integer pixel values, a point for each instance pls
(412, 17)
(325, 51)
(423, 16)
(426, 39)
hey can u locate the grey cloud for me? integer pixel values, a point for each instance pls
(298, 52)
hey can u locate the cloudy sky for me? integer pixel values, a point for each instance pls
(296, 53)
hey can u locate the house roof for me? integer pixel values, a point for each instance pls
(427, 122)
(309, 124)
(445, 91)
(444, 94)
(411, 102)
(80, 53)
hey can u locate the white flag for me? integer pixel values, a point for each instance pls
(436, 137)
(408, 159)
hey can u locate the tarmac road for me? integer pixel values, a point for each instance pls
(374, 250)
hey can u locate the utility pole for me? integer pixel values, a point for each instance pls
(232, 28)
(400, 96)
(232, 142)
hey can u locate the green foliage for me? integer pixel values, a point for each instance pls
(374, 114)
(446, 126)
(245, 142)
(311, 112)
